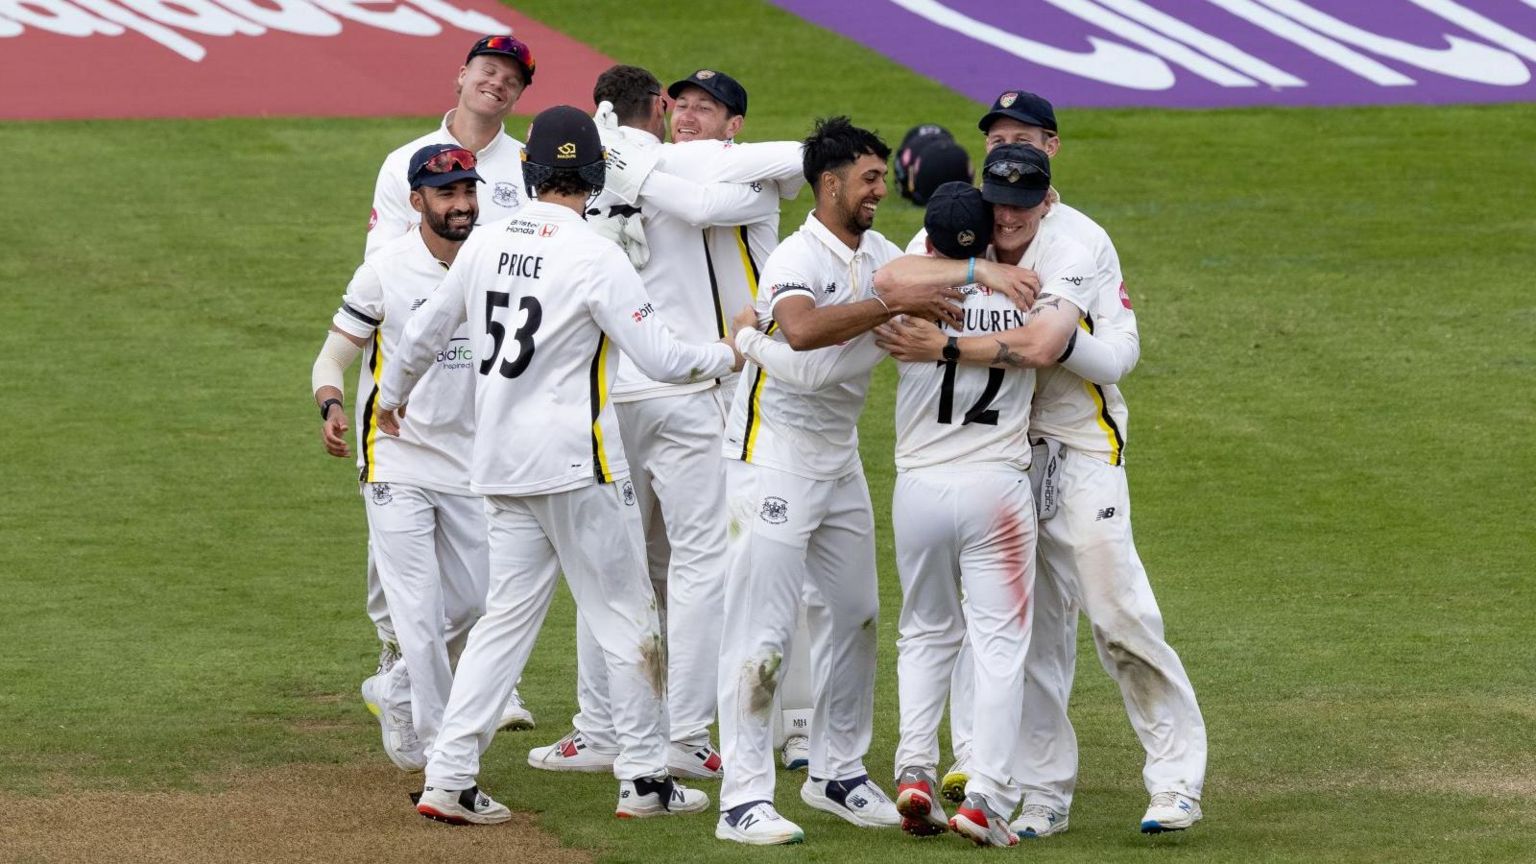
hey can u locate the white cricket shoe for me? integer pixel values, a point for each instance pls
(976, 821)
(658, 796)
(572, 753)
(515, 716)
(955, 779)
(1170, 811)
(397, 727)
(757, 824)
(797, 752)
(921, 813)
(696, 761)
(369, 688)
(1038, 820)
(857, 800)
(461, 806)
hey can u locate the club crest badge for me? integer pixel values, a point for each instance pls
(775, 510)
(965, 238)
(505, 194)
(381, 493)
(627, 489)
(704, 74)
(1007, 99)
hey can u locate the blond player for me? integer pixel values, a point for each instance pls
(550, 305)
(1088, 557)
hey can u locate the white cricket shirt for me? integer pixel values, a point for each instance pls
(953, 414)
(707, 245)
(1079, 413)
(549, 304)
(437, 434)
(500, 165)
(810, 427)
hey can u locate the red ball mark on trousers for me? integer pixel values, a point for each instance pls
(1015, 562)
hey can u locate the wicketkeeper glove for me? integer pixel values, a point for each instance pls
(622, 224)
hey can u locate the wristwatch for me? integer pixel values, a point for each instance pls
(951, 351)
(325, 407)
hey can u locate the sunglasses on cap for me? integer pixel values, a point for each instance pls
(457, 159)
(507, 45)
(1010, 171)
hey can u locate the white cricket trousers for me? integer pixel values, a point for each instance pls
(593, 535)
(1088, 560)
(672, 444)
(965, 551)
(788, 530)
(429, 549)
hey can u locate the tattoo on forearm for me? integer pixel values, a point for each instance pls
(1007, 357)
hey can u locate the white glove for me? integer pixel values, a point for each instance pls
(623, 228)
(605, 118)
(628, 166)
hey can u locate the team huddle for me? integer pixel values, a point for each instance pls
(590, 354)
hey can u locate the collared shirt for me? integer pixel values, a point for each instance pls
(436, 436)
(711, 218)
(549, 304)
(500, 165)
(1089, 417)
(953, 414)
(811, 431)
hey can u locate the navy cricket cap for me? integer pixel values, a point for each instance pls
(958, 221)
(1017, 175)
(928, 158)
(563, 137)
(441, 164)
(1023, 106)
(725, 89)
(506, 46)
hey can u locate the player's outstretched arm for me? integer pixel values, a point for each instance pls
(1040, 342)
(1102, 358)
(618, 303)
(809, 370)
(326, 376)
(921, 273)
(702, 205)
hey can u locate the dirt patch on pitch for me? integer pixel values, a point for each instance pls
(301, 814)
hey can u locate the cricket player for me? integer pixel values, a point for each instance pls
(697, 262)
(549, 303)
(1088, 559)
(426, 529)
(963, 511)
(495, 72)
(799, 506)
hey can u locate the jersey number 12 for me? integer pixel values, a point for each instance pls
(978, 413)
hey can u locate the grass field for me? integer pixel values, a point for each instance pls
(1329, 450)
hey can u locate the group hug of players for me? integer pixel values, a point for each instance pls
(590, 354)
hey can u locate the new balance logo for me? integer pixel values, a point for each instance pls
(1106, 513)
(416, 304)
(857, 802)
(747, 821)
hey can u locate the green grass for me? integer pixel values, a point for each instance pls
(1329, 452)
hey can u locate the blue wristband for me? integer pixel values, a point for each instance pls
(970, 272)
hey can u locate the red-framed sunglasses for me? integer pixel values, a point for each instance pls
(507, 45)
(457, 159)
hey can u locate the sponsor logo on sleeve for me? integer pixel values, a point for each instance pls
(1075, 280)
(643, 312)
(373, 218)
(1125, 299)
(786, 287)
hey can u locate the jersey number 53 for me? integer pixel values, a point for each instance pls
(532, 315)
